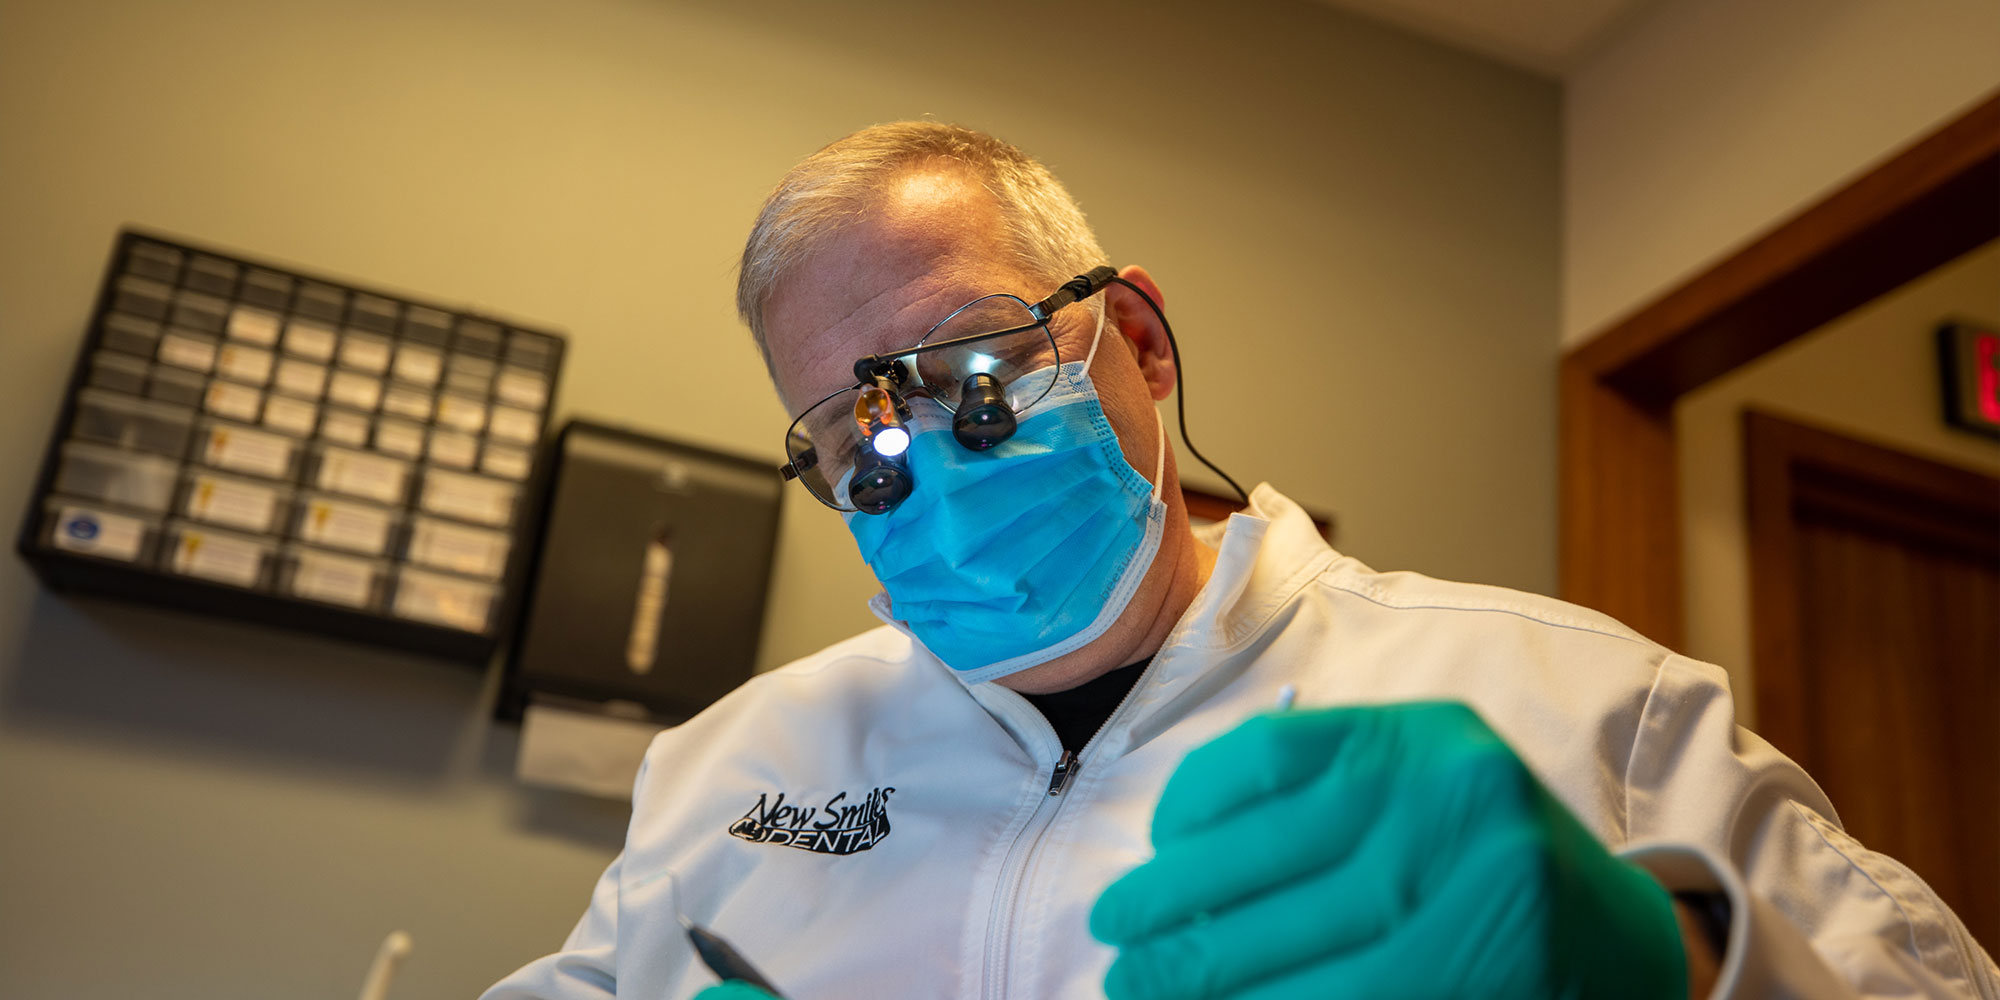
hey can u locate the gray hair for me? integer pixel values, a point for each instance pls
(835, 187)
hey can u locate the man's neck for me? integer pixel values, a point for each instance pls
(1168, 590)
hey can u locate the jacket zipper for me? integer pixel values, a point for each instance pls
(1066, 768)
(1000, 930)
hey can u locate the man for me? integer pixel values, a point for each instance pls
(1038, 780)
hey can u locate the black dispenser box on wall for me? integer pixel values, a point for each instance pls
(650, 577)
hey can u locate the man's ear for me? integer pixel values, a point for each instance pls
(1144, 333)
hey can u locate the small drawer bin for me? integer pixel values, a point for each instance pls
(479, 338)
(468, 375)
(359, 474)
(438, 599)
(514, 425)
(371, 312)
(206, 553)
(190, 349)
(233, 400)
(346, 427)
(300, 377)
(418, 365)
(141, 296)
(355, 390)
(230, 502)
(244, 363)
(200, 312)
(452, 449)
(426, 326)
(125, 478)
(119, 372)
(365, 352)
(404, 401)
(399, 437)
(532, 350)
(176, 385)
(522, 387)
(334, 522)
(87, 529)
(254, 326)
(130, 422)
(212, 275)
(321, 302)
(130, 334)
(286, 415)
(332, 578)
(458, 548)
(267, 289)
(467, 497)
(507, 462)
(151, 260)
(242, 448)
(310, 340)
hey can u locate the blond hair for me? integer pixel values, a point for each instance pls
(835, 187)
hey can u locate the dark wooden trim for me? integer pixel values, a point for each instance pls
(1620, 537)
(1796, 472)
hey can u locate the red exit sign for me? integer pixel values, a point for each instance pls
(1969, 356)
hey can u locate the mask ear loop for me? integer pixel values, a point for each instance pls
(1095, 338)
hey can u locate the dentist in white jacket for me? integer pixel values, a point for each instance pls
(1037, 778)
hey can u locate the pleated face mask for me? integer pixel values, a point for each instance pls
(1004, 559)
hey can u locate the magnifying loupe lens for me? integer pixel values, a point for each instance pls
(879, 485)
(983, 419)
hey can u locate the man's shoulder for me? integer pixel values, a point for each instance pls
(1433, 602)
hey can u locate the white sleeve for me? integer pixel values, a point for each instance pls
(586, 966)
(1712, 807)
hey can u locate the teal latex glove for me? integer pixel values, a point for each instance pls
(1390, 851)
(733, 990)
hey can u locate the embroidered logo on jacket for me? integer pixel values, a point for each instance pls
(837, 827)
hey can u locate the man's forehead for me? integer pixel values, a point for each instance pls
(928, 247)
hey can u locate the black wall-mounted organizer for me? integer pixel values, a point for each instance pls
(247, 440)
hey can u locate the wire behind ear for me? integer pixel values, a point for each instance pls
(1180, 387)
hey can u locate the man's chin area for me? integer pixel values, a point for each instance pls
(1059, 674)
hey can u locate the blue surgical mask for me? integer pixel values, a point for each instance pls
(1005, 559)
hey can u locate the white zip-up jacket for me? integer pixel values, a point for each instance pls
(862, 824)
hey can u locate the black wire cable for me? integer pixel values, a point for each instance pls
(1180, 388)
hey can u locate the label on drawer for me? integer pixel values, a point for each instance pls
(461, 549)
(310, 340)
(354, 389)
(238, 402)
(301, 378)
(468, 498)
(227, 501)
(349, 526)
(421, 365)
(245, 450)
(111, 536)
(522, 388)
(216, 557)
(519, 426)
(253, 325)
(293, 416)
(358, 474)
(442, 600)
(461, 412)
(453, 449)
(334, 579)
(365, 352)
(187, 352)
(244, 363)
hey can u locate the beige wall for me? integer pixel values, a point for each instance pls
(1871, 374)
(1357, 233)
(1703, 122)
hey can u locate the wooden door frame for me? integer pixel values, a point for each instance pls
(1793, 469)
(1617, 495)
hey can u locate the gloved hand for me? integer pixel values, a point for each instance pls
(1391, 851)
(732, 990)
